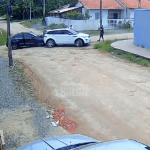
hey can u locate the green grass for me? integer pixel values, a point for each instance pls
(20, 71)
(30, 24)
(26, 23)
(106, 46)
(3, 37)
(120, 52)
(108, 31)
(92, 32)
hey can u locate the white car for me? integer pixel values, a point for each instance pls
(65, 36)
(81, 142)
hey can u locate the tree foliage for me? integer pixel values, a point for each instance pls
(21, 8)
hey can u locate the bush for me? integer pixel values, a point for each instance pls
(53, 25)
(87, 16)
(75, 15)
(126, 25)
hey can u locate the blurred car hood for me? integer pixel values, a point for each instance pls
(119, 145)
(57, 142)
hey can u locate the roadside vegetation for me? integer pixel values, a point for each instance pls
(106, 46)
(21, 8)
(109, 31)
(32, 23)
(3, 37)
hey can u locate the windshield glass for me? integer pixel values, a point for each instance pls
(73, 32)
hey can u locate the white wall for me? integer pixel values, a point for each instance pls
(122, 14)
(81, 25)
(78, 25)
(130, 13)
(92, 13)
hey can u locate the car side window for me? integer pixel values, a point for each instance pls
(59, 32)
(55, 32)
(28, 35)
(51, 32)
(66, 32)
(17, 36)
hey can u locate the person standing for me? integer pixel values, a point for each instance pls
(101, 33)
(71, 27)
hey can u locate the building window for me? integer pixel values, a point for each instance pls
(113, 16)
(97, 15)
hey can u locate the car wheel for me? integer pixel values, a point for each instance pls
(14, 46)
(39, 44)
(50, 43)
(79, 43)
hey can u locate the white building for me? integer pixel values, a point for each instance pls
(113, 11)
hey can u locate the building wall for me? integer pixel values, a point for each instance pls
(92, 13)
(142, 28)
(81, 25)
(78, 25)
(130, 13)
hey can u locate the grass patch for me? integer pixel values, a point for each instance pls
(120, 52)
(26, 23)
(92, 32)
(32, 23)
(106, 46)
(108, 31)
(20, 71)
(3, 37)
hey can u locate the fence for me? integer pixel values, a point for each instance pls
(90, 24)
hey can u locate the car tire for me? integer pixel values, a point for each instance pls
(50, 43)
(39, 44)
(14, 46)
(79, 43)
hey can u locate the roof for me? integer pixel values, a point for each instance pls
(106, 4)
(59, 9)
(145, 4)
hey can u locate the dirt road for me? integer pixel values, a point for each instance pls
(107, 97)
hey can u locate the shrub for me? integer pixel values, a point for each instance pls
(53, 25)
(126, 25)
(87, 16)
(75, 15)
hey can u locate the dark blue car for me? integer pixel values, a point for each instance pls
(26, 39)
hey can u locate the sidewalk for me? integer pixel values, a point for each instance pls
(113, 37)
(128, 46)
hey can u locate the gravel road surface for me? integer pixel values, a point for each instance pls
(22, 118)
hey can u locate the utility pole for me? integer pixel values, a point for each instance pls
(43, 12)
(9, 13)
(100, 18)
(43, 8)
(30, 10)
(100, 13)
(139, 3)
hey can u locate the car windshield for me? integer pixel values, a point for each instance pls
(73, 32)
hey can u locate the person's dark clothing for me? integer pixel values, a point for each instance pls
(101, 33)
